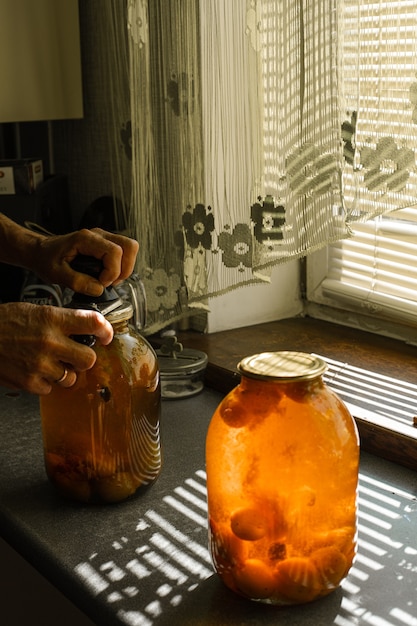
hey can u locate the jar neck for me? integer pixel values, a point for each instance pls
(120, 327)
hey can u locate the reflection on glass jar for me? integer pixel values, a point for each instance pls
(282, 457)
(101, 436)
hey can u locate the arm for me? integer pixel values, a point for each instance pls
(17, 244)
(35, 344)
(50, 257)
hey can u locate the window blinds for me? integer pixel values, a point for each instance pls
(376, 269)
(378, 68)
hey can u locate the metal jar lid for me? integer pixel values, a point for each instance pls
(177, 362)
(187, 363)
(282, 366)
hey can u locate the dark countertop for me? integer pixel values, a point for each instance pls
(145, 561)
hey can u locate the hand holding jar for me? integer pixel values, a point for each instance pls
(36, 350)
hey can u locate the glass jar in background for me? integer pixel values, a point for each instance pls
(282, 457)
(132, 290)
(101, 437)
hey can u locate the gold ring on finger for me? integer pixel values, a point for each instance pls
(63, 377)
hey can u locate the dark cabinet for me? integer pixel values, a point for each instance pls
(48, 207)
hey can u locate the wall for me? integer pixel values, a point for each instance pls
(259, 303)
(81, 146)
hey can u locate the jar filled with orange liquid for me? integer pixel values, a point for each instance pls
(101, 437)
(282, 456)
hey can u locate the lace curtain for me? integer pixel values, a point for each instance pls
(242, 139)
(378, 99)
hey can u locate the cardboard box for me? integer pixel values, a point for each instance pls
(20, 176)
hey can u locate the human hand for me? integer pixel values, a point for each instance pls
(36, 349)
(54, 255)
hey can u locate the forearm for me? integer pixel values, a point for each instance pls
(50, 257)
(18, 245)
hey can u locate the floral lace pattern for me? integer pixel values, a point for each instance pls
(236, 246)
(178, 90)
(268, 220)
(348, 138)
(388, 166)
(254, 26)
(161, 290)
(126, 139)
(138, 21)
(310, 170)
(198, 225)
(413, 100)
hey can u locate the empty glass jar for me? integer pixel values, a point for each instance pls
(282, 458)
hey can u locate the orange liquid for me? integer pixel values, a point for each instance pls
(282, 469)
(101, 437)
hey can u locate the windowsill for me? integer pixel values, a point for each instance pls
(379, 434)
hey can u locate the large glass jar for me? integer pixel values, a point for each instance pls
(282, 458)
(101, 436)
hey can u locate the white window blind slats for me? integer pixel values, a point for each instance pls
(381, 282)
(378, 69)
(376, 268)
(392, 236)
(392, 308)
(402, 220)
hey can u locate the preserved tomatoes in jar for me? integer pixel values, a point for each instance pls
(101, 437)
(282, 458)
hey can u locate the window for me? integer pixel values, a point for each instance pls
(373, 274)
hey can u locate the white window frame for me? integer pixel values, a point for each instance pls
(344, 310)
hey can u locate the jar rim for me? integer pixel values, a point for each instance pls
(120, 314)
(282, 366)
